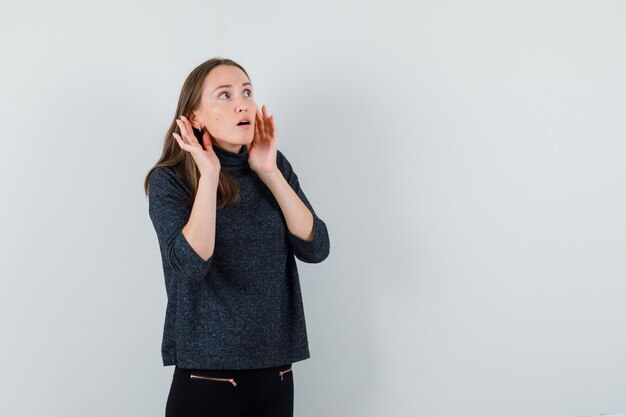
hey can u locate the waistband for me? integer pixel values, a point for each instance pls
(229, 372)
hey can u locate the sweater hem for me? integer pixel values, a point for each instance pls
(301, 353)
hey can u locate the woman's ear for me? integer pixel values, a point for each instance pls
(194, 121)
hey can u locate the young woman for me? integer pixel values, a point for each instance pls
(230, 218)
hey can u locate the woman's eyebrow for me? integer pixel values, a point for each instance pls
(230, 85)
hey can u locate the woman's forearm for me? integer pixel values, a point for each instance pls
(297, 215)
(200, 229)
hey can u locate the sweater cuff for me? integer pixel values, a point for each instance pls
(311, 251)
(195, 267)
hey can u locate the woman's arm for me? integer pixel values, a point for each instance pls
(188, 254)
(200, 229)
(307, 233)
(297, 215)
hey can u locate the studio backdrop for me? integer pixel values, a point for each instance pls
(466, 157)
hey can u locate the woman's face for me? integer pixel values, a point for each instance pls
(226, 99)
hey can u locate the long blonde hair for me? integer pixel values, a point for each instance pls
(180, 160)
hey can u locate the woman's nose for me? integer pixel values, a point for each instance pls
(241, 105)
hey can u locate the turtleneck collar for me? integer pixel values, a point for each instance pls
(232, 159)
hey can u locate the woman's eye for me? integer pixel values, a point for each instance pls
(249, 95)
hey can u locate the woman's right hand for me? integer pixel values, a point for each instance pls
(205, 158)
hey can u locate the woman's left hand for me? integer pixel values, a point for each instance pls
(262, 150)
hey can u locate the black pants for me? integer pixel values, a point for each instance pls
(266, 392)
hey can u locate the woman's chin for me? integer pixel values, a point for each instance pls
(246, 138)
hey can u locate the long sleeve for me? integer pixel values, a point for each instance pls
(166, 195)
(310, 251)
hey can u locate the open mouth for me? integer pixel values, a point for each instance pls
(243, 123)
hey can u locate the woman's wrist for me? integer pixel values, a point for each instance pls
(211, 178)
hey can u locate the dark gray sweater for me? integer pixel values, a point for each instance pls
(242, 308)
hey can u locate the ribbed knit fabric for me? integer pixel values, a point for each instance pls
(242, 308)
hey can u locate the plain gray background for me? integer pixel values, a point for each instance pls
(467, 158)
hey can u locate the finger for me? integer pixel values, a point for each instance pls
(180, 128)
(266, 126)
(266, 122)
(184, 131)
(188, 129)
(272, 126)
(188, 126)
(265, 118)
(189, 135)
(180, 141)
(255, 127)
(261, 123)
(259, 127)
(257, 130)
